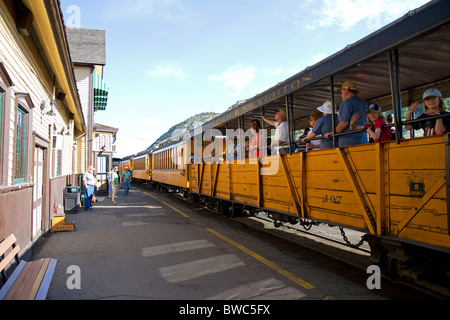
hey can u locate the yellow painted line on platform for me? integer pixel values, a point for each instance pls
(171, 207)
(263, 260)
(127, 207)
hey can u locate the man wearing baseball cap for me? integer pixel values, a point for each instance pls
(281, 143)
(434, 105)
(351, 105)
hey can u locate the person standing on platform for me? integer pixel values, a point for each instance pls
(89, 188)
(126, 178)
(114, 183)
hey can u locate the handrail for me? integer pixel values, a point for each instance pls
(386, 126)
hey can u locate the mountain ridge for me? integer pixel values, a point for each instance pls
(187, 124)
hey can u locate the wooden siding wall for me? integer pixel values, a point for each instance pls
(33, 86)
(16, 214)
(83, 76)
(57, 189)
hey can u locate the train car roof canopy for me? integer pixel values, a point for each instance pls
(422, 38)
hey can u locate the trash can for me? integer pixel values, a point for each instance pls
(72, 196)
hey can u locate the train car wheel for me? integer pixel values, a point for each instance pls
(224, 208)
(195, 198)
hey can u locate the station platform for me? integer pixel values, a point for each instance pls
(155, 246)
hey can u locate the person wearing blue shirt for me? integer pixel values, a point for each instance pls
(351, 105)
(89, 188)
(126, 178)
(324, 126)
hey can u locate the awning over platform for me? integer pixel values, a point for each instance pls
(101, 92)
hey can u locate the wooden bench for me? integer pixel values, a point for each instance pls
(30, 280)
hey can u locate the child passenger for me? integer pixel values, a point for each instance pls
(375, 124)
(434, 105)
(255, 145)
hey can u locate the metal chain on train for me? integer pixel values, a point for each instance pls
(307, 225)
(354, 246)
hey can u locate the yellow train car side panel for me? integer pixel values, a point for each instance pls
(340, 186)
(141, 168)
(418, 195)
(176, 178)
(280, 184)
(125, 164)
(169, 165)
(387, 189)
(384, 189)
(211, 180)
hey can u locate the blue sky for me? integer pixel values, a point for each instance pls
(170, 59)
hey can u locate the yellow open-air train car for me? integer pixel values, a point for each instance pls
(397, 192)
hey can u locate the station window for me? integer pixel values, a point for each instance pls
(21, 145)
(1, 109)
(1, 119)
(1, 135)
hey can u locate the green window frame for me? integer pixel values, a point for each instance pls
(59, 167)
(1, 136)
(21, 145)
(1, 110)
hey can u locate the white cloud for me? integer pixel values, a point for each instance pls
(167, 71)
(236, 77)
(345, 14)
(240, 77)
(128, 145)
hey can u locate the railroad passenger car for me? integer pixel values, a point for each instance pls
(142, 168)
(125, 163)
(396, 192)
(170, 166)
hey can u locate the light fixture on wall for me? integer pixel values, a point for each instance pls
(52, 111)
(44, 107)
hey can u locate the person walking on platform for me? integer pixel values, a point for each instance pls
(114, 183)
(89, 188)
(126, 178)
(108, 177)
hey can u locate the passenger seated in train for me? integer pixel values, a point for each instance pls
(323, 126)
(434, 105)
(301, 145)
(390, 121)
(237, 150)
(281, 143)
(255, 145)
(313, 120)
(352, 104)
(376, 126)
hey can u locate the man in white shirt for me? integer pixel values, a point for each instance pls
(281, 142)
(89, 188)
